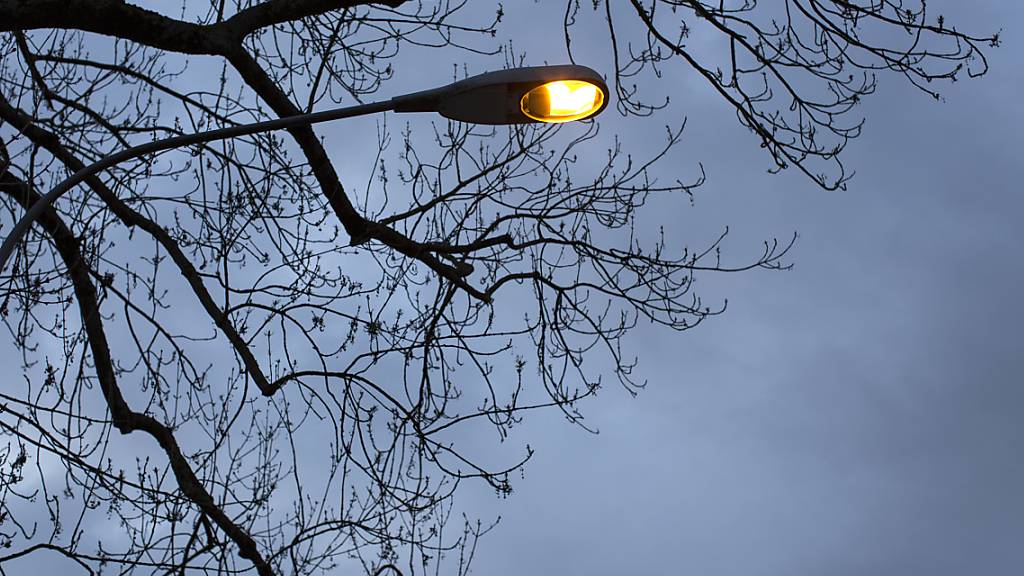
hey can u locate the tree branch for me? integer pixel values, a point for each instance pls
(48, 141)
(124, 418)
(358, 228)
(123, 20)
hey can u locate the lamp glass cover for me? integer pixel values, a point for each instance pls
(562, 101)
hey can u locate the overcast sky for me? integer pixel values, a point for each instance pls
(860, 414)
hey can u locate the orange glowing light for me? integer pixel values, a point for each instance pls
(562, 101)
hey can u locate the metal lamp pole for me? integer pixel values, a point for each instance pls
(515, 96)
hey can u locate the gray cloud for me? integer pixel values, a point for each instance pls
(857, 415)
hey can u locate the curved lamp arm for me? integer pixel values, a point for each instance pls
(70, 182)
(502, 97)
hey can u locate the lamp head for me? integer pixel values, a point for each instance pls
(516, 96)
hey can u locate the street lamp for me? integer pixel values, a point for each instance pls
(550, 94)
(518, 96)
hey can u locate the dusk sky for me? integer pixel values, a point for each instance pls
(860, 414)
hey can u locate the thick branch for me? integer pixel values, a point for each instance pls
(280, 11)
(113, 18)
(123, 20)
(264, 86)
(124, 418)
(358, 228)
(49, 141)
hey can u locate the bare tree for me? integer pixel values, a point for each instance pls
(229, 362)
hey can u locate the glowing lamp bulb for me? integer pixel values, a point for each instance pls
(562, 101)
